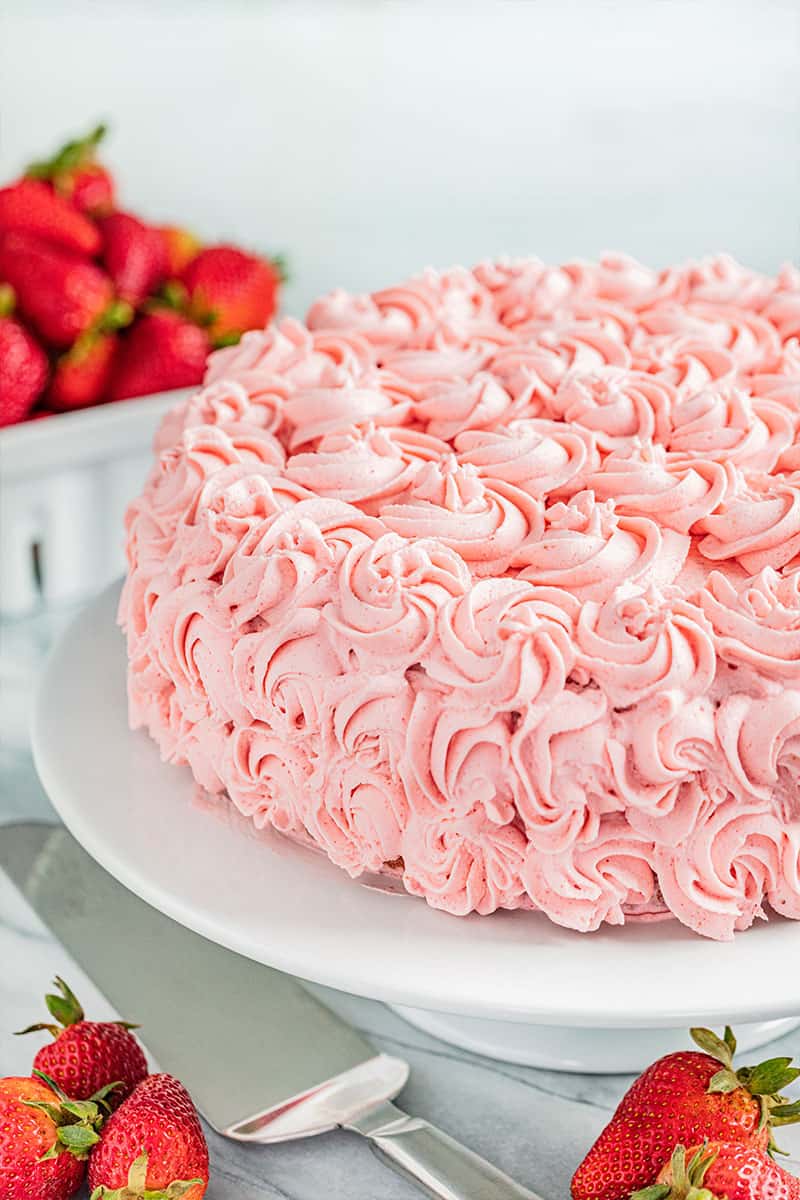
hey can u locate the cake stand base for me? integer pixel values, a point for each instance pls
(587, 1051)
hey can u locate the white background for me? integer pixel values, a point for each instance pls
(367, 139)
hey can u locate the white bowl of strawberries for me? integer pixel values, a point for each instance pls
(97, 306)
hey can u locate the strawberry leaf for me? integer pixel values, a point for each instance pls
(70, 156)
(708, 1041)
(51, 1083)
(724, 1081)
(53, 1111)
(101, 1097)
(65, 1008)
(40, 1027)
(83, 1110)
(786, 1114)
(78, 1139)
(771, 1076)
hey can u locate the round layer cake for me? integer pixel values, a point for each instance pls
(491, 581)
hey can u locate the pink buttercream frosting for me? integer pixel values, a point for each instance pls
(491, 581)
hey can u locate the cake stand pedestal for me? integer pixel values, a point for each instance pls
(561, 1048)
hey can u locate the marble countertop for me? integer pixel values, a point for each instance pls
(534, 1124)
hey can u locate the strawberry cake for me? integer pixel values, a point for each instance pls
(490, 581)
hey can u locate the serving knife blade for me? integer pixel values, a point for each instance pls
(264, 1059)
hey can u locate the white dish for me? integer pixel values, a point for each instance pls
(288, 907)
(64, 485)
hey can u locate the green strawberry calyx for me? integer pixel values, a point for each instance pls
(77, 1122)
(137, 1189)
(686, 1178)
(65, 1008)
(72, 155)
(765, 1082)
(8, 300)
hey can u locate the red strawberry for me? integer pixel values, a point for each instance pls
(44, 1139)
(60, 294)
(684, 1098)
(23, 364)
(163, 350)
(88, 1055)
(230, 291)
(75, 174)
(30, 206)
(134, 255)
(81, 376)
(181, 247)
(722, 1171)
(153, 1143)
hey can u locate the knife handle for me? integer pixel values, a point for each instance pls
(438, 1163)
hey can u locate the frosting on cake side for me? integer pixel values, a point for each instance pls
(491, 580)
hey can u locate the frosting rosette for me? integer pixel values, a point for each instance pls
(396, 317)
(588, 884)
(644, 480)
(502, 645)
(720, 279)
(390, 591)
(639, 643)
(725, 425)
(449, 408)
(615, 405)
(291, 559)
(189, 634)
(588, 548)
(362, 466)
(464, 864)
(759, 526)
(356, 813)
(756, 623)
(656, 747)
(365, 718)
(565, 776)
(537, 456)
(760, 738)
(228, 509)
(717, 879)
(455, 759)
(280, 676)
(227, 405)
(265, 778)
(485, 521)
(490, 582)
(316, 411)
(751, 340)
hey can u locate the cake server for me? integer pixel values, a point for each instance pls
(264, 1059)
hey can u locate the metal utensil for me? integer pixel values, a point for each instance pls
(264, 1060)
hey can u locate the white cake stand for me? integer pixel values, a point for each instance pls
(513, 986)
